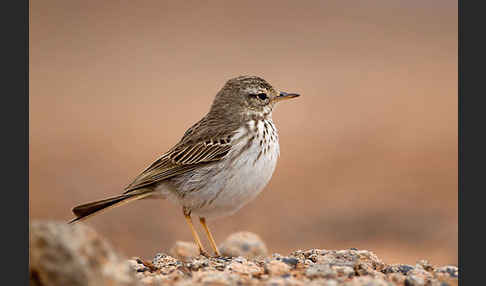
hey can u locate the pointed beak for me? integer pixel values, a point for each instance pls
(285, 96)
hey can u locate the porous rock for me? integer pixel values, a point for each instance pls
(244, 244)
(63, 254)
(183, 249)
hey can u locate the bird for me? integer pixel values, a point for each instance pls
(219, 165)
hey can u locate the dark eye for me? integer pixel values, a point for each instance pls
(262, 96)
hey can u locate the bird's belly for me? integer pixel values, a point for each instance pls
(239, 179)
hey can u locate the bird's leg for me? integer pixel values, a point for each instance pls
(187, 215)
(210, 236)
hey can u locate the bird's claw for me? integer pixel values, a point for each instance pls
(204, 253)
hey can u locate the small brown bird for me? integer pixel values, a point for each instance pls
(221, 163)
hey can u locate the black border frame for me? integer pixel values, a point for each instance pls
(471, 63)
(15, 121)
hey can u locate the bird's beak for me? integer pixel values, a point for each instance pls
(285, 96)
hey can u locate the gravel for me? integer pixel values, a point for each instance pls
(350, 267)
(62, 254)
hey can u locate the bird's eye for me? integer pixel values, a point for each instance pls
(262, 96)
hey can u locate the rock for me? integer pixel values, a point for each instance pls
(244, 244)
(398, 268)
(241, 266)
(323, 271)
(184, 249)
(290, 261)
(414, 280)
(344, 271)
(397, 278)
(452, 271)
(280, 281)
(368, 281)
(213, 278)
(276, 268)
(323, 282)
(63, 254)
(418, 276)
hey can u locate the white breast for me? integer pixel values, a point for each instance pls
(241, 176)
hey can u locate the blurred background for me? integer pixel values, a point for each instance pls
(368, 153)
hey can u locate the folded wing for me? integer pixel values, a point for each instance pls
(183, 158)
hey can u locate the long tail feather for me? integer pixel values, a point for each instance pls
(84, 211)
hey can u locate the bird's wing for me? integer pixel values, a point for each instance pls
(186, 156)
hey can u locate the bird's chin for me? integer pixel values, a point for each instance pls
(265, 112)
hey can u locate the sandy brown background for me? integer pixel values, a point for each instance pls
(368, 153)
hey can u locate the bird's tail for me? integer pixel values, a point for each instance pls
(87, 210)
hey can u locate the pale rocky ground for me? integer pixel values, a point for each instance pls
(62, 254)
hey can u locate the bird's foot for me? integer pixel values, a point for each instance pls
(204, 253)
